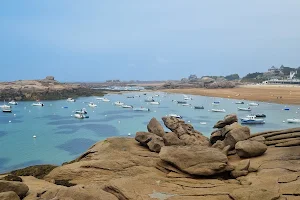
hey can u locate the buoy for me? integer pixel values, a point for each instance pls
(154, 110)
(71, 115)
(129, 134)
(189, 121)
(203, 123)
(34, 136)
(283, 121)
(119, 122)
(15, 114)
(9, 121)
(93, 111)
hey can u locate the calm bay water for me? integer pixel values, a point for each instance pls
(61, 137)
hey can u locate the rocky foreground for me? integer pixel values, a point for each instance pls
(181, 164)
(46, 89)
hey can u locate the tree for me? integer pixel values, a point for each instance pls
(232, 77)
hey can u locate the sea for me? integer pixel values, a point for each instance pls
(59, 137)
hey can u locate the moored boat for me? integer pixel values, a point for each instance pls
(239, 102)
(71, 100)
(198, 107)
(218, 110)
(260, 115)
(5, 106)
(13, 102)
(38, 104)
(175, 115)
(79, 116)
(7, 110)
(244, 109)
(253, 104)
(215, 104)
(82, 111)
(130, 97)
(149, 100)
(127, 106)
(100, 98)
(181, 102)
(118, 103)
(91, 104)
(251, 119)
(105, 100)
(293, 120)
(141, 109)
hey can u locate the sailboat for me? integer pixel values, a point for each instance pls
(5, 106)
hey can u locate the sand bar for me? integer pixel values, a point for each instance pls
(282, 94)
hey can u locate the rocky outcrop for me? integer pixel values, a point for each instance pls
(236, 135)
(155, 127)
(46, 89)
(120, 168)
(229, 119)
(19, 188)
(152, 141)
(241, 169)
(281, 138)
(182, 134)
(185, 132)
(228, 134)
(195, 160)
(171, 138)
(248, 148)
(9, 196)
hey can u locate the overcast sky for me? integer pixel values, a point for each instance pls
(96, 40)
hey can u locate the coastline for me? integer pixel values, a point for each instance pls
(280, 94)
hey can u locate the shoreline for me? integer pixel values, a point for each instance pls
(266, 93)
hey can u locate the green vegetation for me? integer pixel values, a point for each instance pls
(256, 77)
(232, 77)
(12, 177)
(64, 183)
(38, 171)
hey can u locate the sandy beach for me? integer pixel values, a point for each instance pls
(282, 94)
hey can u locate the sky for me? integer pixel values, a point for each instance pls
(97, 40)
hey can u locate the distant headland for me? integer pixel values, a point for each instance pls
(45, 89)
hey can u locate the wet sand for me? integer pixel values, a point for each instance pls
(282, 94)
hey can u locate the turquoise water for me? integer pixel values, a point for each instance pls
(60, 137)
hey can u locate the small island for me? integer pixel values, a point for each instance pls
(45, 89)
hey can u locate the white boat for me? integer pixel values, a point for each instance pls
(218, 110)
(187, 97)
(118, 103)
(141, 109)
(293, 120)
(82, 111)
(251, 119)
(175, 115)
(239, 102)
(244, 109)
(157, 95)
(100, 98)
(13, 102)
(79, 116)
(38, 104)
(149, 100)
(6, 109)
(154, 103)
(253, 104)
(4, 105)
(127, 106)
(215, 104)
(71, 100)
(91, 104)
(105, 100)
